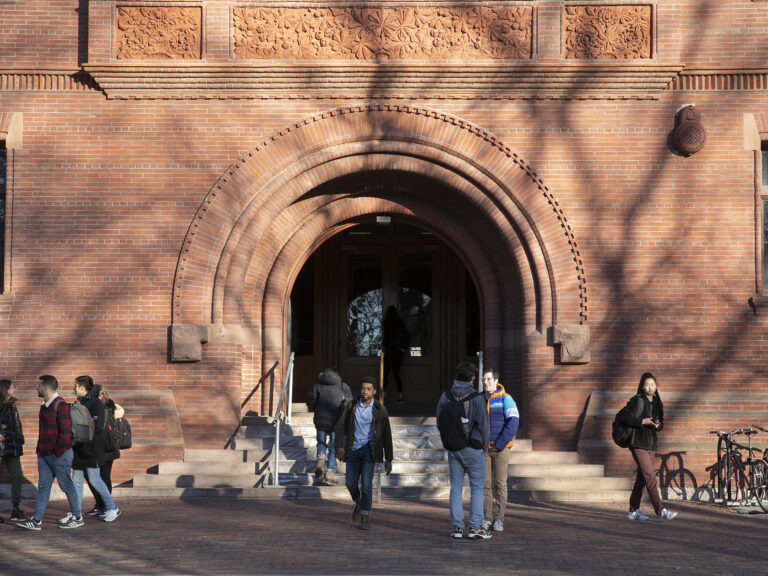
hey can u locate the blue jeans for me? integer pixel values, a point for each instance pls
(325, 446)
(360, 466)
(49, 467)
(471, 461)
(94, 478)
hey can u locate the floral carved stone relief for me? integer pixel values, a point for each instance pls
(607, 32)
(159, 33)
(382, 33)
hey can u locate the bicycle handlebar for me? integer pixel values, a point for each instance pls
(747, 431)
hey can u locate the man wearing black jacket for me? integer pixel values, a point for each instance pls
(327, 398)
(364, 437)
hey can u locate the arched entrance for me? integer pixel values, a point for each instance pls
(285, 198)
(340, 296)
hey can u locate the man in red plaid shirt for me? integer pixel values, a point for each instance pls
(54, 456)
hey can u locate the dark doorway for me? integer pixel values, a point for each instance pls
(341, 293)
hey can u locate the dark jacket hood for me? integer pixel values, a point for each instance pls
(460, 388)
(329, 378)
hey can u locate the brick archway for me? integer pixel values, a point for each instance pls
(269, 211)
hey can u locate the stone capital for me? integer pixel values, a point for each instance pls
(573, 342)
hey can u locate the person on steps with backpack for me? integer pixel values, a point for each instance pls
(644, 416)
(327, 399)
(89, 455)
(54, 456)
(462, 419)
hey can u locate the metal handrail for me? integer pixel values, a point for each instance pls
(287, 386)
(480, 371)
(270, 372)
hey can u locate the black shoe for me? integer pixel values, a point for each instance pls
(17, 515)
(400, 399)
(95, 512)
(365, 522)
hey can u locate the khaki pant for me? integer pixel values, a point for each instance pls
(496, 473)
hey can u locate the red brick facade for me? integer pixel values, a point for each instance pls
(161, 198)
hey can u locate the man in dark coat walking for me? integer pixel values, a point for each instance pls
(364, 437)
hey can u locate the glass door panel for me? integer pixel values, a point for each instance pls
(364, 306)
(415, 299)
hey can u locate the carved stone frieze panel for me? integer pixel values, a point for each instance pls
(611, 32)
(154, 33)
(382, 33)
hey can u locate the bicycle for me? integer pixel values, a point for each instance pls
(731, 476)
(734, 475)
(758, 477)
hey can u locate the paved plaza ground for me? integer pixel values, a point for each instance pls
(318, 537)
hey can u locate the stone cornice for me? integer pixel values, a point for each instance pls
(449, 80)
(452, 80)
(45, 79)
(722, 78)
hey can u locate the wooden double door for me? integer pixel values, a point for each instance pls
(352, 280)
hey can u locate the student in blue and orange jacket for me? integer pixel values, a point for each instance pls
(504, 419)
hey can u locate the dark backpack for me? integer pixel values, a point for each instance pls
(110, 425)
(124, 434)
(622, 434)
(83, 425)
(454, 431)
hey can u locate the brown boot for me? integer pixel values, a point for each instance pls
(320, 468)
(365, 521)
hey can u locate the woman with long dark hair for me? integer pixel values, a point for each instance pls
(644, 414)
(11, 443)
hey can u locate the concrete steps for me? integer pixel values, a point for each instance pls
(420, 469)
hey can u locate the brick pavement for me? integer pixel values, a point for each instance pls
(318, 537)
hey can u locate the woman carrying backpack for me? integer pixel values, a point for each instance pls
(89, 456)
(644, 415)
(111, 449)
(11, 442)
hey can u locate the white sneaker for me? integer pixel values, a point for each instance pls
(636, 515)
(111, 515)
(666, 515)
(498, 525)
(66, 519)
(486, 524)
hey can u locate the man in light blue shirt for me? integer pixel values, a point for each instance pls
(364, 437)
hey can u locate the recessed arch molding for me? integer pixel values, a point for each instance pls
(265, 214)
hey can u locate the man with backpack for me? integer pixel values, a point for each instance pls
(54, 456)
(89, 455)
(326, 399)
(462, 420)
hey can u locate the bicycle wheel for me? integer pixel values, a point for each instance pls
(758, 480)
(724, 471)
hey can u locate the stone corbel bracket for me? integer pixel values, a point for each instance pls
(572, 341)
(186, 340)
